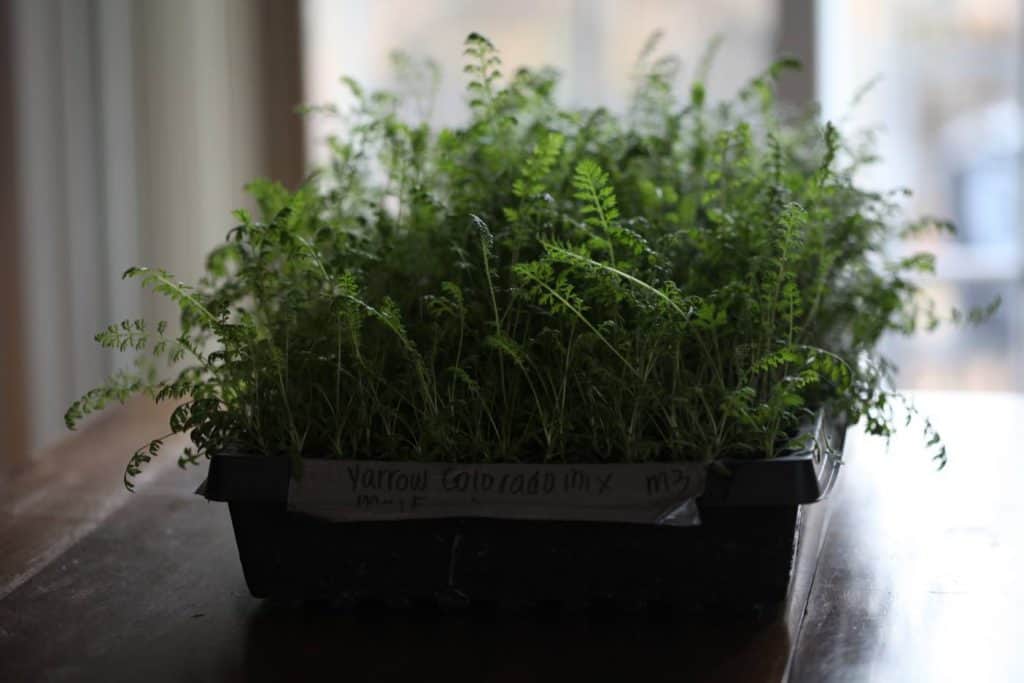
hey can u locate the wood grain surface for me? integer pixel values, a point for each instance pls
(916, 581)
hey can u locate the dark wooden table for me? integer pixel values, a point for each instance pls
(917, 580)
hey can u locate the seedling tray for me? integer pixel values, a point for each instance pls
(739, 557)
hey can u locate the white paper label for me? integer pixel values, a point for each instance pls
(348, 490)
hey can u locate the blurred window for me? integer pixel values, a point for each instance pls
(944, 109)
(593, 43)
(946, 106)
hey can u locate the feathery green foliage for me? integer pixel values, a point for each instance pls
(541, 285)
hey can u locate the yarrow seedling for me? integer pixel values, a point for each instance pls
(684, 282)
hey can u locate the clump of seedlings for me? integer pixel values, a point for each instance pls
(687, 281)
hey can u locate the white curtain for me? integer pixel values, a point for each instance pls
(137, 123)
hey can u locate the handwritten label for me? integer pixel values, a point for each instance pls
(345, 490)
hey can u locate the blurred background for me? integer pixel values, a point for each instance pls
(128, 128)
